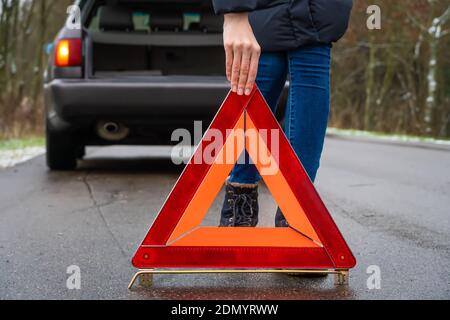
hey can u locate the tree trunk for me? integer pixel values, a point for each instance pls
(370, 82)
(39, 63)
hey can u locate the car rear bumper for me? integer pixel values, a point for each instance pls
(161, 97)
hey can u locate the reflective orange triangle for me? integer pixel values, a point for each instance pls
(176, 238)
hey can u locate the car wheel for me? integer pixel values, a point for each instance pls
(62, 149)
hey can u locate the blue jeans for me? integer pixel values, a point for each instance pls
(307, 108)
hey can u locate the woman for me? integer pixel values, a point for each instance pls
(267, 41)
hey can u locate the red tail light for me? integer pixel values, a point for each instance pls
(68, 53)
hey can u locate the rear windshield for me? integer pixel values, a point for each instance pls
(141, 21)
(154, 16)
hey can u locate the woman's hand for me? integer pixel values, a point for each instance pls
(242, 53)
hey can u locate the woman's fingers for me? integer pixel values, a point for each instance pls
(236, 68)
(253, 70)
(245, 69)
(228, 60)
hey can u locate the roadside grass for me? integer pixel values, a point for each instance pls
(18, 150)
(22, 143)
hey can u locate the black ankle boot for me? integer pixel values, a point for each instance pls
(280, 220)
(240, 208)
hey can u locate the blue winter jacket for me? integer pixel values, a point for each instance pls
(289, 24)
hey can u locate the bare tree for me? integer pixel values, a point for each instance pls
(394, 80)
(433, 33)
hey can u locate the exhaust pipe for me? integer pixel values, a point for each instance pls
(112, 131)
(111, 127)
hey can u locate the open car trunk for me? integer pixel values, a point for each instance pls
(132, 38)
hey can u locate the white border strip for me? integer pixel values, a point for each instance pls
(385, 137)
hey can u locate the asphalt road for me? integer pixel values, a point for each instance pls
(392, 203)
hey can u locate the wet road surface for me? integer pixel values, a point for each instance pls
(391, 202)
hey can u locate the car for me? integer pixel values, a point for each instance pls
(131, 74)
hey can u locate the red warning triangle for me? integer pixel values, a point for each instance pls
(176, 239)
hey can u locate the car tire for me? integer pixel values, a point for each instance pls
(62, 150)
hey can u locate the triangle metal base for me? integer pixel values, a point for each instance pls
(341, 276)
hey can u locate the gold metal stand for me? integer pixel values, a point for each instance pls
(341, 276)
